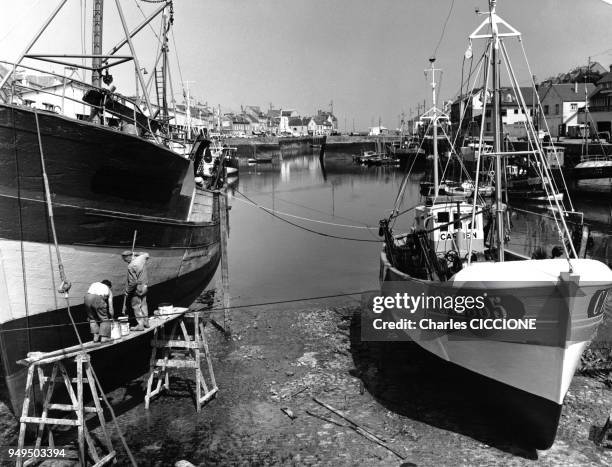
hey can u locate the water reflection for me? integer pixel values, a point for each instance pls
(271, 259)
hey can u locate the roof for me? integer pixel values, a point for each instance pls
(605, 79)
(251, 118)
(273, 113)
(296, 121)
(286, 113)
(254, 108)
(566, 93)
(509, 99)
(239, 119)
(321, 120)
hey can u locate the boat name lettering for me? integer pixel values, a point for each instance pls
(451, 235)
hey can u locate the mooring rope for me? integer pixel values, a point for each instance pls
(233, 307)
(281, 213)
(316, 232)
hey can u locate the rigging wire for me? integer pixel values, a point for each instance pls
(145, 17)
(280, 213)
(316, 232)
(233, 307)
(444, 28)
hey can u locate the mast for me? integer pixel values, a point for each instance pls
(165, 28)
(497, 133)
(434, 109)
(96, 36)
(587, 125)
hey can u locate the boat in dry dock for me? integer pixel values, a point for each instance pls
(109, 177)
(458, 249)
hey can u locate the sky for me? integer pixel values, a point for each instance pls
(366, 56)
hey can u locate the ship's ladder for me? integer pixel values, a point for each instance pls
(159, 86)
(181, 351)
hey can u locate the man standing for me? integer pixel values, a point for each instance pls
(99, 306)
(136, 288)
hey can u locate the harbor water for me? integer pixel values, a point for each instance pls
(272, 255)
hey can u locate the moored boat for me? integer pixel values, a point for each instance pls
(457, 250)
(110, 179)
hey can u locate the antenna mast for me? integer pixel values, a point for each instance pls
(96, 37)
(434, 116)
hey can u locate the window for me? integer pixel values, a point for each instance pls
(574, 106)
(488, 113)
(515, 111)
(28, 103)
(504, 112)
(443, 219)
(556, 109)
(47, 106)
(488, 126)
(545, 110)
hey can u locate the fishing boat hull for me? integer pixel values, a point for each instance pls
(108, 188)
(529, 372)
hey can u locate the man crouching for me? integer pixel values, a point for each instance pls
(136, 289)
(99, 306)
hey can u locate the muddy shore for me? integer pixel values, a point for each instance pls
(279, 358)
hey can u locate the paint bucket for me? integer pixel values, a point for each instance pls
(165, 309)
(115, 330)
(124, 325)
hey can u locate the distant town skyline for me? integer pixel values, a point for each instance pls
(367, 57)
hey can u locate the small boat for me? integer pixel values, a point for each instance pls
(365, 156)
(259, 160)
(458, 251)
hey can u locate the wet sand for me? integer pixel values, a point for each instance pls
(280, 357)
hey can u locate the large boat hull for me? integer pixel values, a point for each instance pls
(107, 188)
(533, 370)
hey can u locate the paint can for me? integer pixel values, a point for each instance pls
(115, 330)
(124, 325)
(165, 309)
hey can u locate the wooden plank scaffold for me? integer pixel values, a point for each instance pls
(181, 351)
(48, 379)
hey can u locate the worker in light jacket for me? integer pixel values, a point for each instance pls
(99, 307)
(136, 288)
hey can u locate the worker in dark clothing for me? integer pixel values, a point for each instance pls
(136, 288)
(99, 306)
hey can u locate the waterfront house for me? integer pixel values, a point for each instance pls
(331, 118)
(61, 97)
(561, 104)
(285, 115)
(378, 130)
(512, 114)
(600, 107)
(299, 125)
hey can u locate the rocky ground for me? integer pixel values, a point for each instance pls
(279, 358)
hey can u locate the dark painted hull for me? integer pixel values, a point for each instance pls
(105, 185)
(115, 365)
